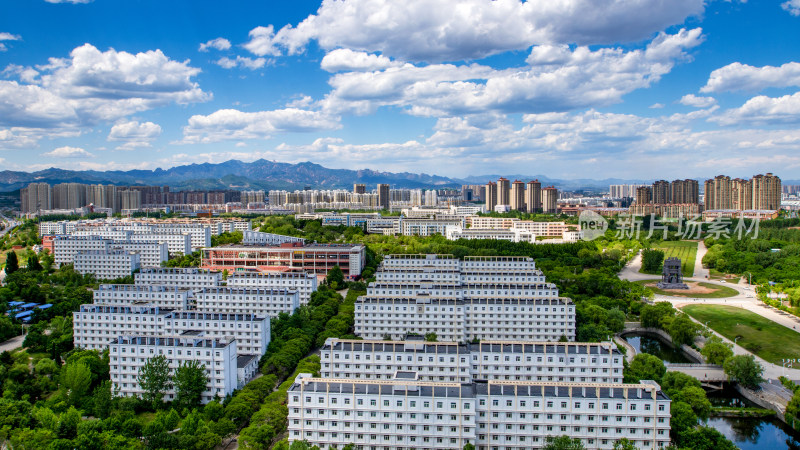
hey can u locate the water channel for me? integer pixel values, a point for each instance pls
(747, 434)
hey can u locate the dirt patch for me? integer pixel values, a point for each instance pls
(694, 288)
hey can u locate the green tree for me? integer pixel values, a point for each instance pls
(652, 260)
(625, 444)
(33, 263)
(744, 369)
(154, 379)
(682, 330)
(101, 400)
(652, 316)
(335, 278)
(190, 382)
(683, 418)
(705, 438)
(469, 446)
(674, 382)
(75, 381)
(12, 263)
(645, 367)
(716, 351)
(696, 398)
(562, 443)
(430, 337)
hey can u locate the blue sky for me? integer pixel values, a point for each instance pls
(567, 88)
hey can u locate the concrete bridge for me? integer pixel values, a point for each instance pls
(709, 375)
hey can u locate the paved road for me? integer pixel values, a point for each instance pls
(700, 271)
(12, 344)
(700, 371)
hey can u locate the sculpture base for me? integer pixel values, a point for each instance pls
(662, 285)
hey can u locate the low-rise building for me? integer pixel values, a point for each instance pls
(151, 253)
(407, 413)
(108, 264)
(261, 238)
(129, 353)
(161, 296)
(240, 300)
(182, 278)
(302, 282)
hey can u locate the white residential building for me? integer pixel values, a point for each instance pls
(465, 363)
(107, 265)
(428, 227)
(261, 302)
(261, 238)
(56, 228)
(512, 234)
(407, 413)
(66, 247)
(129, 353)
(162, 296)
(251, 331)
(151, 253)
(177, 244)
(303, 282)
(185, 278)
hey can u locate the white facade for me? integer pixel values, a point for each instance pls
(129, 353)
(252, 333)
(56, 228)
(261, 238)
(465, 363)
(427, 227)
(184, 278)
(154, 295)
(303, 282)
(66, 247)
(177, 244)
(512, 235)
(260, 302)
(151, 253)
(406, 413)
(107, 265)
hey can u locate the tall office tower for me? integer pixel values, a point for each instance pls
(69, 196)
(518, 196)
(503, 192)
(35, 197)
(550, 200)
(644, 195)
(359, 188)
(383, 196)
(661, 192)
(766, 192)
(533, 196)
(130, 200)
(491, 196)
(718, 193)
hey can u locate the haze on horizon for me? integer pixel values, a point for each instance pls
(574, 89)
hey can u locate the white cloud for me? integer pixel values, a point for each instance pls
(248, 63)
(763, 110)
(697, 101)
(74, 2)
(261, 42)
(793, 6)
(68, 152)
(93, 86)
(134, 134)
(656, 106)
(443, 30)
(742, 77)
(25, 74)
(344, 59)
(557, 79)
(7, 37)
(232, 124)
(218, 44)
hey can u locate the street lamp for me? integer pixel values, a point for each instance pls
(749, 278)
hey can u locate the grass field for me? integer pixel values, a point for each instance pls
(20, 256)
(758, 335)
(719, 291)
(685, 250)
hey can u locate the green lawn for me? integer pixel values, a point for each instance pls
(761, 336)
(685, 250)
(719, 291)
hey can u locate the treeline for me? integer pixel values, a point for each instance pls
(774, 256)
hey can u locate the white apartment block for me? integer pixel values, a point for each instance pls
(511, 235)
(465, 363)
(96, 326)
(407, 413)
(177, 244)
(303, 282)
(66, 247)
(56, 228)
(107, 265)
(184, 278)
(467, 210)
(520, 319)
(229, 226)
(427, 227)
(151, 253)
(162, 296)
(260, 302)
(129, 353)
(261, 238)
(384, 225)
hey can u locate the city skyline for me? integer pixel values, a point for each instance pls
(695, 90)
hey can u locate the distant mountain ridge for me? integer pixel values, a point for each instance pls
(263, 174)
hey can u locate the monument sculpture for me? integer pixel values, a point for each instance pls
(672, 276)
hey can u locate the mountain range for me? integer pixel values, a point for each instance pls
(263, 174)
